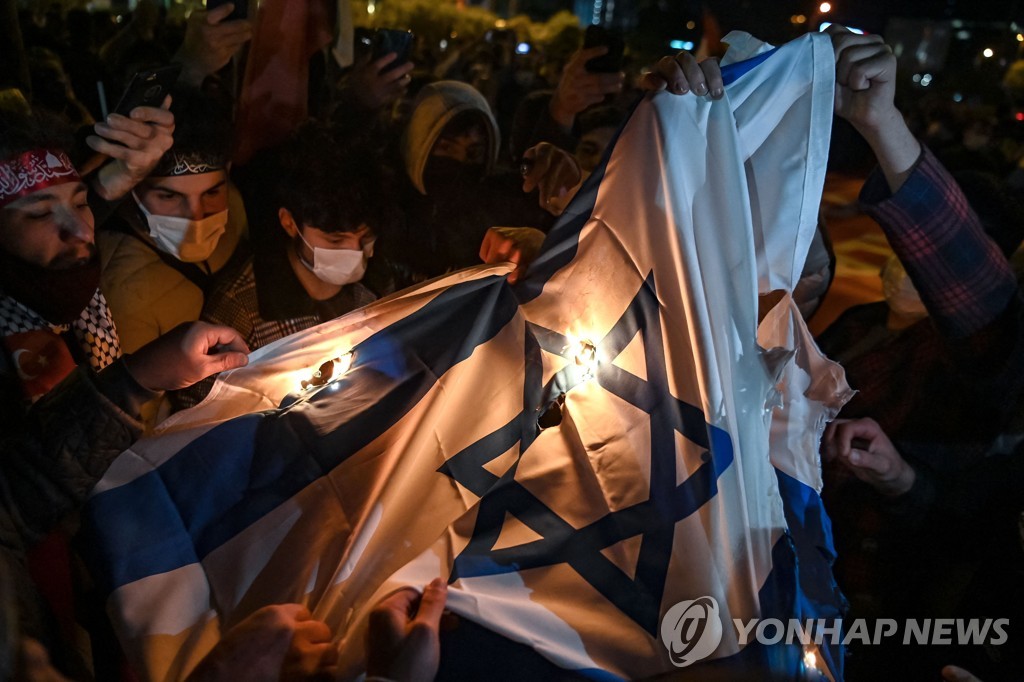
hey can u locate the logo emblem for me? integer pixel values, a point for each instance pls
(691, 630)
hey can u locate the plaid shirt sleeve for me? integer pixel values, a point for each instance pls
(963, 278)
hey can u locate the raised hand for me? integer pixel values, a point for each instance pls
(210, 42)
(374, 87)
(579, 88)
(134, 143)
(683, 73)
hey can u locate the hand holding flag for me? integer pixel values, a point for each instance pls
(187, 354)
(402, 642)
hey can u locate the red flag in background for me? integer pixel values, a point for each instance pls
(274, 92)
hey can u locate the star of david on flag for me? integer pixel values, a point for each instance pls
(575, 454)
(652, 520)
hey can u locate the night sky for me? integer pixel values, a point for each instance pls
(871, 15)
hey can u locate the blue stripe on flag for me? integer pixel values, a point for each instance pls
(799, 586)
(231, 476)
(819, 594)
(732, 73)
(469, 651)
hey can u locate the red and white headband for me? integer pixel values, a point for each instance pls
(32, 171)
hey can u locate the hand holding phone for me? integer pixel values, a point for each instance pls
(610, 62)
(388, 40)
(212, 39)
(128, 147)
(148, 88)
(383, 75)
(581, 87)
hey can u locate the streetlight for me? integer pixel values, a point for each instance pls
(825, 7)
(987, 52)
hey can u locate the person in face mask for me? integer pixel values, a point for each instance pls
(180, 227)
(331, 259)
(454, 192)
(317, 210)
(71, 399)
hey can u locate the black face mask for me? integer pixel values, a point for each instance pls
(444, 176)
(59, 296)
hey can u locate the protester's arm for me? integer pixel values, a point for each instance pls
(187, 354)
(912, 492)
(210, 43)
(556, 175)
(134, 145)
(519, 245)
(370, 85)
(53, 454)
(578, 88)
(865, 96)
(231, 306)
(963, 279)
(961, 275)
(551, 116)
(908, 493)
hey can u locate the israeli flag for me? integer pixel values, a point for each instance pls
(595, 458)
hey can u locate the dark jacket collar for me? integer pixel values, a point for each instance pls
(281, 295)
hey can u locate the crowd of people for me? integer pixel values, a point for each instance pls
(138, 261)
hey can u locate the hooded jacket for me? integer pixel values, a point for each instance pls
(446, 219)
(434, 108)
(147, 296)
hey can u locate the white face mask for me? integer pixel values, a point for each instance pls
(338, 266)
(187, 240)
(899, 291)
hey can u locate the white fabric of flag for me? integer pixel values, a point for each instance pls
(635, 333)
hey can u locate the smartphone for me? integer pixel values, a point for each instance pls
(241, 10)
(607, 63)
(362, 41)
(386, 40)
(148, 88)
